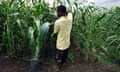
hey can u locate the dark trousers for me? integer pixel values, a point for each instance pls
(61, 57)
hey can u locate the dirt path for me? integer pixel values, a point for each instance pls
(11, 65)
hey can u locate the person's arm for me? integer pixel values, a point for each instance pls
(56, 29)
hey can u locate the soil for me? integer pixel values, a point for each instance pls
(78, 65)
(12, 65)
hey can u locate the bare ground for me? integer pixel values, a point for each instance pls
(12, 65)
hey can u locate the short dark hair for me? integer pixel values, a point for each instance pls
(62, 9)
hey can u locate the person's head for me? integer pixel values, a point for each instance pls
(61, 11)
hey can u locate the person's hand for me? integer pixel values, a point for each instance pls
(52, 35)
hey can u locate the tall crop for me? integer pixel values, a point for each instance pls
(95, 29)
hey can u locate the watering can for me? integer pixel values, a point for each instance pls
(45, 27)
(46, 31)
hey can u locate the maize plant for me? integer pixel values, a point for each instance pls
(97, 28)
(20, 27)
(94, 28)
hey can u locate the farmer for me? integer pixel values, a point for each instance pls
(62, 28)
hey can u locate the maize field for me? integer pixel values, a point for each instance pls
(96, 30)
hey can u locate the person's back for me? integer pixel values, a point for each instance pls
(62, 27)
(65, 26)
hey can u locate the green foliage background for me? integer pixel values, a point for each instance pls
(93, 28)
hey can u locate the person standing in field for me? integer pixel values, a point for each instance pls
(62, 28)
